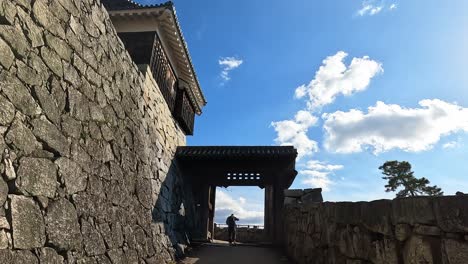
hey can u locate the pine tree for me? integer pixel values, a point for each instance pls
(399, 174)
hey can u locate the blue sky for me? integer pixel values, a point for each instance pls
(406, 60)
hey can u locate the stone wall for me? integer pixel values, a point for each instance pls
(299, 196)
(86, 143)
(243, 234)
(409, 230)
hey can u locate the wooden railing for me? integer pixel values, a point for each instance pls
(163, 73)
(176, 97)
(241, 226)
(184, 112)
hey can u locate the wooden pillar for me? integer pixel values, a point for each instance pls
(269, 212)
(203, 211)
(212, 201)
(278, 213)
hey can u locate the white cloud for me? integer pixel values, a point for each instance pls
(370, 8)
(389, 126)
(317, 179)
(317, 174)
(334, 78)
(322, 166)
(374, 7)
(227, 205)
(294, 132)
(450, 145)
(228, 64)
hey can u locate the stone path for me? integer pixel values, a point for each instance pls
(222, 253)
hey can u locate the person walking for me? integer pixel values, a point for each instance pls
(231, 223)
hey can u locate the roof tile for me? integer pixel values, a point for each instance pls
(202, 152)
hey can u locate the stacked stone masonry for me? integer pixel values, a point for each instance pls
(410, 230)
(86, 143)
(243, 234)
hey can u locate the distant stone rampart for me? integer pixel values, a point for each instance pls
(86, 143)
(409, 230)
(243, 234)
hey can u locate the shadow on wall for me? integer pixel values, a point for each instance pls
(405, 230)
(174, 212)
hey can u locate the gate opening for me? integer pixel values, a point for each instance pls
(271, 169)
(247, 203)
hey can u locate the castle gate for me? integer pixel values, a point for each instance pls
(272, 168)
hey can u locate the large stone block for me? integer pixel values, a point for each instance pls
(51, 135)
(6, 256)
(48, 103)
(52, 60)
(59, 46)
(117, 256)
(33, 32)
(63, 229)
(452, 213)
(37, 177)
(79, 155)
(70, 6)
(427, 230)
(6, 55)
(384, 252)
(93, 241)
(13, 35)
(354, 242)
(413, 210)
(71, 75)
(4, 224)
(79, 106)
(290, 200)
(27, 222)
(2, 139)
(28, 75)
(377, 216)
(24, 256)
(422, 250)
(18, 94)
(100, 150)
(21, 137)
(312, 195)
(402, 232)
(4, 240)
(456, 252)
(347, 212)
(46, 18)
(71, 127)
(3, 191)
(10, 173)
(98, 19)
(72, 175)
(296, 193)
(143, 192)
(49, 256)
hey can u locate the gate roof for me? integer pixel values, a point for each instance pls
(239, 165)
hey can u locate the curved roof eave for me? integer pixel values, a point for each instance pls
(201, 97)
(119, 5)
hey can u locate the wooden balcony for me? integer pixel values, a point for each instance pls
(163, 73)
(184, 112)
(175, 95)
(146, 48)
